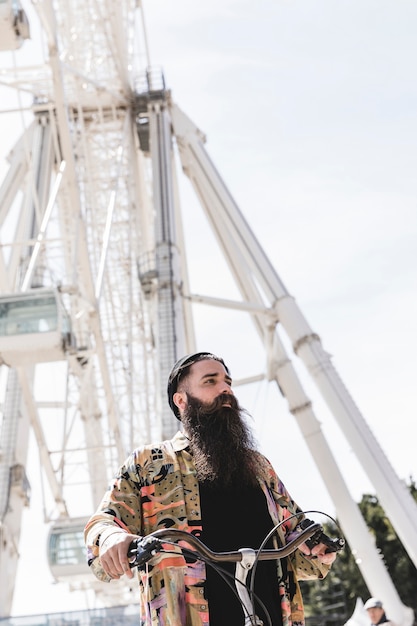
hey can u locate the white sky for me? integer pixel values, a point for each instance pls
(310, 110)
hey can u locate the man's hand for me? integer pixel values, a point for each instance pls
(320, 552)
(320, 546)
(113, 554)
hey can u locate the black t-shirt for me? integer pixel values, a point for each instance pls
(233, 519)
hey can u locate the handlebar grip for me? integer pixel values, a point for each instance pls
(332, 545)
(141, 550)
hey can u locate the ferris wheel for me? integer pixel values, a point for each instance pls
(94, 290)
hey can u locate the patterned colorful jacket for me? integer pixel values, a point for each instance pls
(157, 488)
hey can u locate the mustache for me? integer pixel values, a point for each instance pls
(218, 404)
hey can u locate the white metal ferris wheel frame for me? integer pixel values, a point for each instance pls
(112, 244)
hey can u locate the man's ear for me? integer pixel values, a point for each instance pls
(180, 400)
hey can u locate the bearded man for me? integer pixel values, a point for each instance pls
(211, 481)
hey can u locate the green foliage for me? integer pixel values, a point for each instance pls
(330, 602)
(323, 599)
(400, 567)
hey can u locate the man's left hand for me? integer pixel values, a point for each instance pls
(319, 552)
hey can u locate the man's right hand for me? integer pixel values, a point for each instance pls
(113, 554)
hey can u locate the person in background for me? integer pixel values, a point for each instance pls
(376, 612)
(211, 481)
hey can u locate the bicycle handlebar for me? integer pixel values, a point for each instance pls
(143, 548)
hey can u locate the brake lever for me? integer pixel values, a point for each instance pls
(332, 545)
(142, 549)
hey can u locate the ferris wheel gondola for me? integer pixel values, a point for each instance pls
(34, 328)
(14, 25)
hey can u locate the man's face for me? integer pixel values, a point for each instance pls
(221, 442)
(206, 381)
(375, 614)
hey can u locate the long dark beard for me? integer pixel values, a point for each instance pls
(223, 446)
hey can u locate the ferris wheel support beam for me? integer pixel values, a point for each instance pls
(74, 205)
(14, 487)
(247, 259)
(20, 412)
(36, 209)
(170, 306)
(281, 369)
(91, 415)
(17, 171)
(27, 395)
(39, 153)
(34, 148)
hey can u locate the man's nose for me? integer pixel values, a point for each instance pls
(226, 388)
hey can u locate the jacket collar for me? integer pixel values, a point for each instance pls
(180, 441)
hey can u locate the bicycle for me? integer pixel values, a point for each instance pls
(311, 533)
